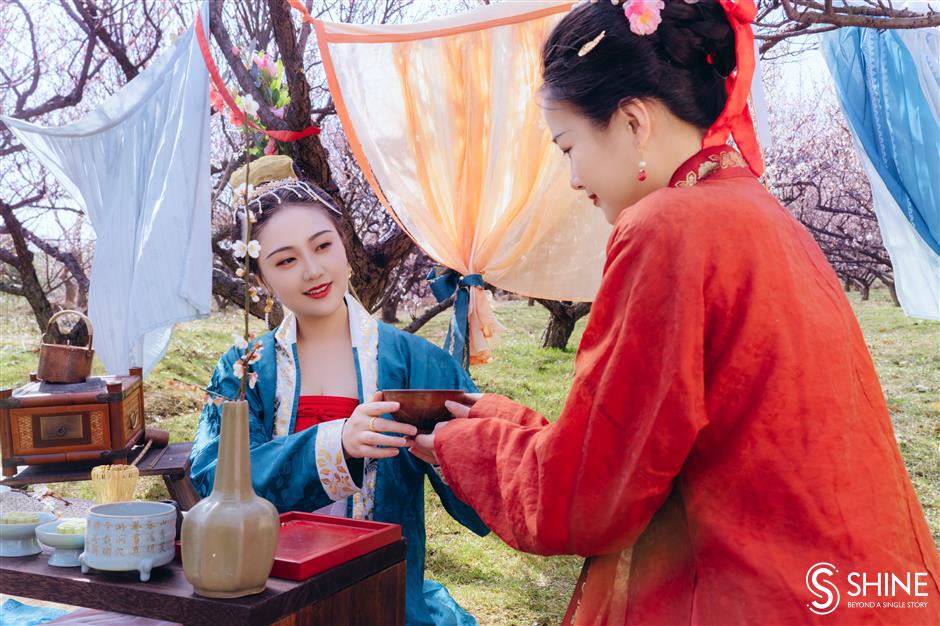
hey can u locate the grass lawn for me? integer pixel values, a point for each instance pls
(496, 584)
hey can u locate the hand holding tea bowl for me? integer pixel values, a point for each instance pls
(446, 405)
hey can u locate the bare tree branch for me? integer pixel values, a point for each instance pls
(430, 314)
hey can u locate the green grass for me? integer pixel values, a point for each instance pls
(496, 584)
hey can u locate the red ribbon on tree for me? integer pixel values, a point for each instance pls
(278, 135)
(736, 118)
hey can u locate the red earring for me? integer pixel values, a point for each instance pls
(642, 175)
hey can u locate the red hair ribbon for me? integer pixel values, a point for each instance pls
(735, 118)
(279, 135)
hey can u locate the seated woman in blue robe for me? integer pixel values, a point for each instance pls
(318, 438)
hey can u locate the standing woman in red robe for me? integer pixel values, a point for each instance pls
(725, 455)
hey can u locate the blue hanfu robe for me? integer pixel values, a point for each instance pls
(307, 471)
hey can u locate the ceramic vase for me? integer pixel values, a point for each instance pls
(229, 539)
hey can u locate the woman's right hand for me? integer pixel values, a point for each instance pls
(360, 441)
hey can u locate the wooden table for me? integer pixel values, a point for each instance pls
(171, 462)
(366, 590)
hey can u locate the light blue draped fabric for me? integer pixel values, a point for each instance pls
(886, 83)
(139, 166)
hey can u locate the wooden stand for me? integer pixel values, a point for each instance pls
(366, 590)
(97, 421)
(172, 463)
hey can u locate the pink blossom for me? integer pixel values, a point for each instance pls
(278, 112)
(271, 148)
(265, 64)
(644, 15)
(216, 98)
(235, 118)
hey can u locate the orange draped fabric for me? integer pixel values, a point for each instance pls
(725, 429)
(445, 123)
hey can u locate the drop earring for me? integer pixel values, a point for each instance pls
(268, 307)
(642, 175)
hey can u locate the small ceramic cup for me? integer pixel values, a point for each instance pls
(20, 539)
(67, 547)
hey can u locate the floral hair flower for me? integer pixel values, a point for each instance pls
(644, 15)
(252, 249)
(271, 148)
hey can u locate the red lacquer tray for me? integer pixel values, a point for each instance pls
(309, 544)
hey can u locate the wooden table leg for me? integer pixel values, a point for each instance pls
(182, 490)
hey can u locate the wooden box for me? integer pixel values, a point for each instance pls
(97, 421)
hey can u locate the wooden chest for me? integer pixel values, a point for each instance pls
(97, 421)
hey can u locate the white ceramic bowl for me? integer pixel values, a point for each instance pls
(67, 547)
(126, 536)
(20, 539)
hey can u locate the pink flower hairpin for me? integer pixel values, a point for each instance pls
(644, 15)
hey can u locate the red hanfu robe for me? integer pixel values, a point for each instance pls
(725, 431)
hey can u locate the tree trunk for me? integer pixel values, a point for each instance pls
(32, 288)
(71, 294)
(558, 332)
(893, 291)
(865, 289)
(390, 308)
(564, 316)
(372, 266)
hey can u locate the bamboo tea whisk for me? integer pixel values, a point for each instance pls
(116, 483)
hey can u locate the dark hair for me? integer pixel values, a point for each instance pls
(670, 65)
(265, 204)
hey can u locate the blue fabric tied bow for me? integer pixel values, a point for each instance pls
(443, 286)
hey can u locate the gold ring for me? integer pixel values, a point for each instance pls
(372, 424)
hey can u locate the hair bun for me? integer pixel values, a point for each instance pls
(670, 65)
(690, 34)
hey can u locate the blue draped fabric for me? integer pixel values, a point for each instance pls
(877, 82)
